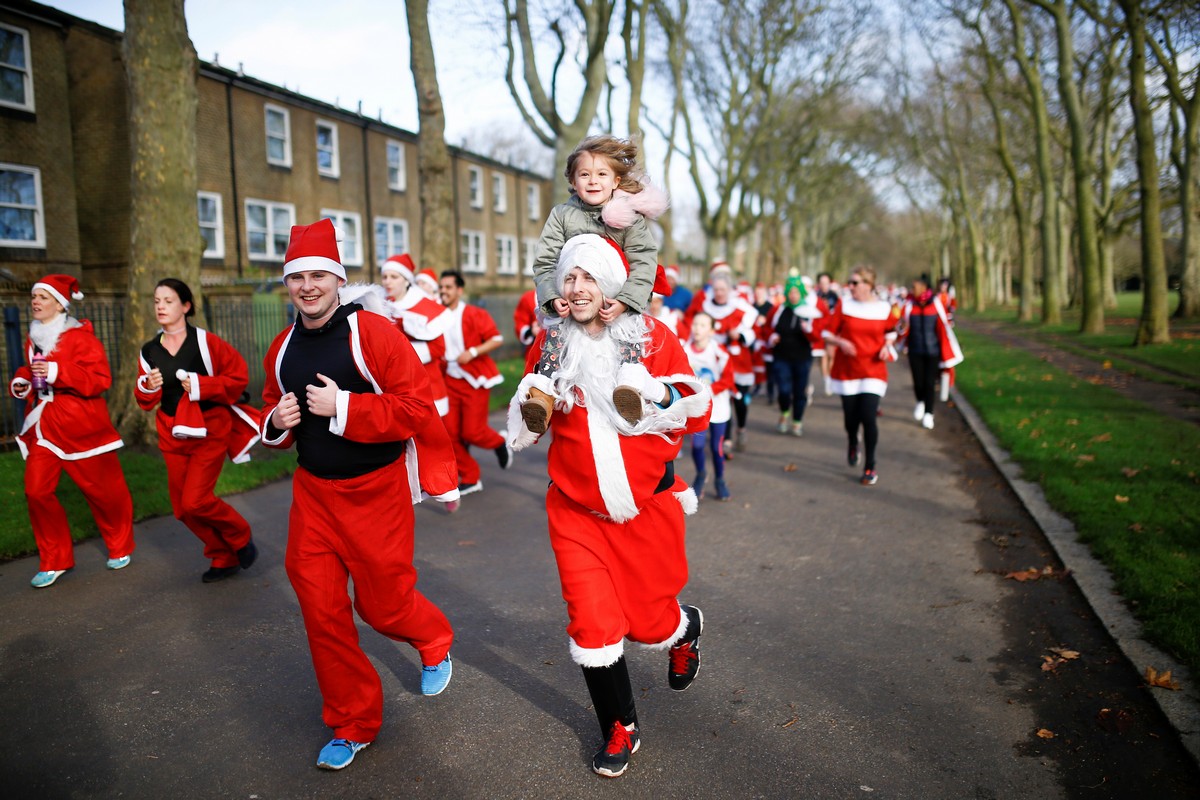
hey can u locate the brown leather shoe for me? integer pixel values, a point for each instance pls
(629, 404)
(536, 410)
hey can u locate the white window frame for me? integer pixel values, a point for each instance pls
(38, 208)
(217, 225)
(391, 247)
(351, 250)
(400, 182)
(474, 254)
(475, 186)
(27, 71)
(286, 161)
(499, 192)
(528, 253)
(335, 169)
(533, 200)
(270, 231)
(506, 254)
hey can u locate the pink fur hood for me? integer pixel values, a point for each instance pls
(622, 210)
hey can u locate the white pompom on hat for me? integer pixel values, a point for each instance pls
(63, 288)
(314, 247)
(599, 257)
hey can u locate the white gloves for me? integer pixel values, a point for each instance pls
(636, 377)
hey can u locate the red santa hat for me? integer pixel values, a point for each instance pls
(427, 278)
(672, 271)
(604, 260)
(402, 265)
(63, 288)
(314, 247)
(720, 268)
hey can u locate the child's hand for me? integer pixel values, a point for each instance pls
(561, 306)
(612, 310)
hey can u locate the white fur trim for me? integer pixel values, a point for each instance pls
(95, 451)
(371, 296)
(314, 264)
(244, 455)
(858, 386)
(356, 350)
(680, 630)
(55, 293)
(611, 477)
(597, 656)
(205, 353)
(267, 440)
(337, 423)
(414, 472)
(188, 432)
(687, 498)
(442, 404)
(51, 372)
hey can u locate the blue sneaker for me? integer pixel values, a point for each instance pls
(722, 490)
(339, 753)
(435, 679)
(44, 579)
(118, 563)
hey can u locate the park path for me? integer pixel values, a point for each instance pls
(1162, 395)
(859, 642)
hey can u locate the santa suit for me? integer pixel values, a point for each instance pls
(525, 319)
(424, 322)
(469, 386)
(616, 510)
(67, 427)
(931, 344)
(871, 327)
(733, 327)
(352, 499)
(197, 430)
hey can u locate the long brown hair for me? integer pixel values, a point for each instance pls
(621, 155)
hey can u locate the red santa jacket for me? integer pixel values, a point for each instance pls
(401, 406)
(471, 326)
(223, 381)
(871, 327)
(525, 317)
(951, 353)
(611, 473)
(714, 368)
(70, 419)
(733, 326)
(425, 321)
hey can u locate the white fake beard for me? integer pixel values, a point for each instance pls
(44, 335)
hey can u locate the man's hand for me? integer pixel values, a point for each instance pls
(611, 310)
(322, 400)
(561, 306)
(287, 413)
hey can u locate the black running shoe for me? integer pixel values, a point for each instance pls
(613, 758)
(684, 658)
(852, 455)
(218, 574)
(247, 554)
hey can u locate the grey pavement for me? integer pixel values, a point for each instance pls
(859, 642)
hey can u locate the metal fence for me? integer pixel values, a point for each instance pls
(249, 323)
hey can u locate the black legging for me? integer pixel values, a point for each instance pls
(862, 409)
(742, 404)
(925, 374)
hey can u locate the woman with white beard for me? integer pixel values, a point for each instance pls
(67, 427)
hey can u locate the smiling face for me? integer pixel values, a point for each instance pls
(168, 310)
(860, 290)
(314, 293)
(585, 298)
(43, 306)
(395, 284)
(594, 179)
(450, 292)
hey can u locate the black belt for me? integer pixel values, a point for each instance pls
(668, 478)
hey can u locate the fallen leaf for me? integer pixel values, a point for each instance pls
(1104, 437)
(1136, 527)
(1031, 574)
(1063, 652)
(1047, 377)
(466, 543)
(789, 468)
(1161, 680)
(1045, 734)
(1072, 422)
(1129, 472)
(1120, 498)
(1119, 720)
(790, 722)
(1089, 458)
(1050, 663)
(1107, 364)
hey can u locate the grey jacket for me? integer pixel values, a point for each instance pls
(573, 218)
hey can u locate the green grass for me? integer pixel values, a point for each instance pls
(1125, 476)
(146, 475)
(513, 369)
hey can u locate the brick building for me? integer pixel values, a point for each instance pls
(267, 158)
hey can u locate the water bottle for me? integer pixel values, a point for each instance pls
(39, 381)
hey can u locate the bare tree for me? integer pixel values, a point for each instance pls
(434, 169)
(160, 72)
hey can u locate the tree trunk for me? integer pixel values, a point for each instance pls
(1152, 327)
(160, 72)
(435, 175)
(1189, 203)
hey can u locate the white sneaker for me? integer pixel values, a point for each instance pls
(919, 412)
(927, 422)
(945, 386)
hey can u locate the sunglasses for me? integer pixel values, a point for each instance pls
(853, 282)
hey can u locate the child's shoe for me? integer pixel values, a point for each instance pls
(722, 490)
(536, 410)
(629, 404)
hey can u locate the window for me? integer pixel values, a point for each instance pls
(397, 169)
(279, 136)
(533, 201)
(16, 69)
(472, 251)
(506, 255)
(22, 218)
(475, 186)
(499, 193)
(350, 247)
(212, 224)
(327, 150)
(528, 251)
(268, 226)
(391, 238)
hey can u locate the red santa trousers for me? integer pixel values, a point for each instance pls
(361, 528)
(103, 485)
(467, 424)
(191, 478)
(620, 580)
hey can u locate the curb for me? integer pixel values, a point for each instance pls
(1182, 708)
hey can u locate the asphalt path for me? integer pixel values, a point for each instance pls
(859, 642)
